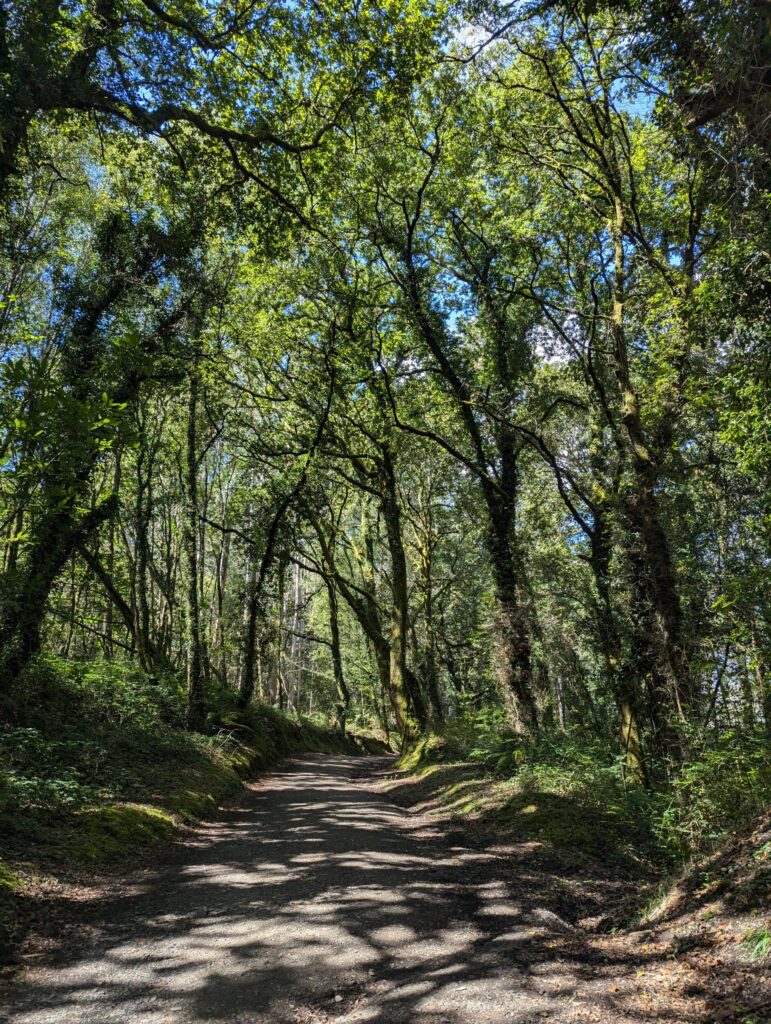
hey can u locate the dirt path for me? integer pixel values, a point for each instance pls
(317, 900)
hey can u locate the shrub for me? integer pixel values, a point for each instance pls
(724, 785)
(53, 694)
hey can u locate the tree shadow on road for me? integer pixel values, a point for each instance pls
(320, 900)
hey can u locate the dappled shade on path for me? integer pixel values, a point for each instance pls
(317, 899)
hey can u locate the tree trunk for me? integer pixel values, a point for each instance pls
(427, 671)
(364, 606)
(343, 696)
(280, 681)
(56, 536)
(380, 692)
(762, 678)
(223, 564)
(251, 611)
(513, 667)
(427, 659)
(108, 613)
(196, 707)
(405, 686)
(670, 678)
(142, 514)
(620, 683)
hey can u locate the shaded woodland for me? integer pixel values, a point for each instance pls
(401, 364)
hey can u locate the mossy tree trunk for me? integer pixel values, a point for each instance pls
(343, 694)
(670, 686)
(405, 686)
(196, 705)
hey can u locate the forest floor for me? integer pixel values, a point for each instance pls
(318, 898)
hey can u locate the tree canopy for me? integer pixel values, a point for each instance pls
(399, 362)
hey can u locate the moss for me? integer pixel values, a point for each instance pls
(198, 790)
(429, 750)
(10, 884)
(115, 831)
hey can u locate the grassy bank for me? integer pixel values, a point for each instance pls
(96, 768)
(675, 880)
(567, 803)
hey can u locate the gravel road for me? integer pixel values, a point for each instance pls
(316, 899)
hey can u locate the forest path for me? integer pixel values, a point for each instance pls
(316, 899)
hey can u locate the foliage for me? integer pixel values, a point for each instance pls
(757, 942)
(724, 785)
(100, 764)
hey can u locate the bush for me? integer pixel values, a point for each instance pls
(85, 735)
(724, 786)
(53, 694)
(79, 732)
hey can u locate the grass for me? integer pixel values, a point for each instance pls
(757, 942)
(566, 800)
(568, 807)
(96, 768)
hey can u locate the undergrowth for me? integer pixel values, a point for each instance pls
(585, 798)
(757, 943)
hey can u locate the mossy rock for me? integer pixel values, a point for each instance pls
(432, 749)
(111, 832)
